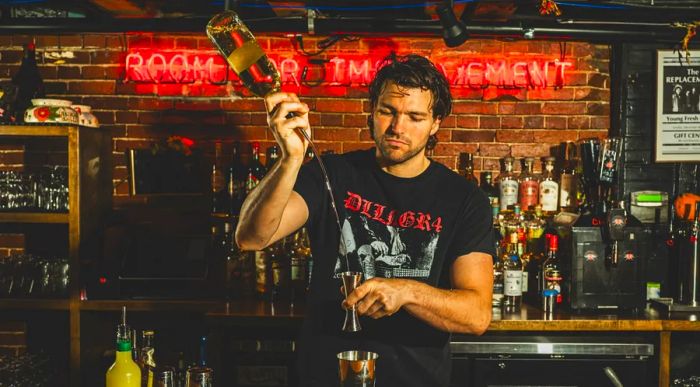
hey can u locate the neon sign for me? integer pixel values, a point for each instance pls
(208, 67)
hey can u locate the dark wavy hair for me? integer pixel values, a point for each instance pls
(413, 71)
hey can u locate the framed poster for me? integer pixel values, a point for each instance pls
(677, 107)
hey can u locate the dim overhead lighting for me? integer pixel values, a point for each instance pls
(454, 32)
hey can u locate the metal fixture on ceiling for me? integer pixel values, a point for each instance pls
(454, 31)
(589, 20)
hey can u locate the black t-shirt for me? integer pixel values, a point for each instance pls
(393, 227)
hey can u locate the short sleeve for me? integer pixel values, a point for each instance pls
(475, 231)
(310, 186)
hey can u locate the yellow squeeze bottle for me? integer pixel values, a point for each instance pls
(124, 372)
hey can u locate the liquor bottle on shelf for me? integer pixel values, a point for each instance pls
(466, 166)
(273, 155)
(200, 375)
(147, 359)
(568, 180)
(528, 185)
(512, 275)
(124, 372)
(279, 267)
(507, 185)
(487, 186)
(549, 188)
(263, 273)
(256, 169)
(218, 183)
(27, 82)
(239, 266)
(237, 174)
(300, 254)
(552, 277)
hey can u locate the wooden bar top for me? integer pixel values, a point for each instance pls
(529, 318)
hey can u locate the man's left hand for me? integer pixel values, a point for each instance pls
(378, 297)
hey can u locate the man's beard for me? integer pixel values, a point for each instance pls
(386, 152)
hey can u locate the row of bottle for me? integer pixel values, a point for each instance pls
(520, 271)
(135, 366)
(553, 191)
(282, 271)
(232, 181)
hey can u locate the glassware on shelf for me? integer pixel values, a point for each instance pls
(46, 190)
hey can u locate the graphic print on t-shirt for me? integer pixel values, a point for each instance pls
(387, 242)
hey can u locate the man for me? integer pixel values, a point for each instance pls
(426, 231)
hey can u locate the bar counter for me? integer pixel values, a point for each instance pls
(528, 319)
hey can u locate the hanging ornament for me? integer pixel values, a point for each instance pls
(548, 7)
(689, 34)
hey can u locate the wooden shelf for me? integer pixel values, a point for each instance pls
(34, 304)
(151, 305)
(35, 130)
(33, 217)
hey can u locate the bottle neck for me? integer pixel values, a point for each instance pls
(124, 357)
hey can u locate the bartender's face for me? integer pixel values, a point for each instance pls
(402, 122)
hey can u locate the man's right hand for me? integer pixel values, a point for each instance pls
(285, 114)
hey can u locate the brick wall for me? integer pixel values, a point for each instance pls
(490, 122)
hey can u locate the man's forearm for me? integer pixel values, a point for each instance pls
(457, 310)
(262, 209)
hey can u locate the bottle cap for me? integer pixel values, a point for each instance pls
(123, 345)
(550, 292)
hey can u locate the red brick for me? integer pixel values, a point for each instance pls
(467, 122)
(12, 241)
(473, 135)
(555, 136)
(490, 164)
(328, 134)
(70, 41)
(12, 57)
(528, 108)
(331, 119)
(530, 150)
(576, 79)
(151, 117)
(506, 108)
(588, 94)
(494, 150)
(68, 72)
(107, 57)
(115, 42)
(598, 79)
(114, 130)
(238, 118)
(258, 119)
(511, 122)
(111, 103)
(496, 94)
(55, 88)
(448, 122)
(149, 103)
(5, 41)
(555, 123)
(244, 105)
(510, 136)
(489, 122)
(356, 92)
(197, 106)
(91, 87)
(598, 109)
(452, 149)
(48, 72)
(468, 93)
(186, 43)
(533, 122)
(46, 41)
(93, 72)
(569, 108)
(21, 40)
(581, 50)
(461, 107)
(11, 158)
(355, 120)
(593, 133)
(339, 105)
(127, 117)
(578, 122)
(104, 117)
(565, 94)
(94, 40)
(600, 123)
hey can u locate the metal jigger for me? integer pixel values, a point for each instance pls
(351, 279)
